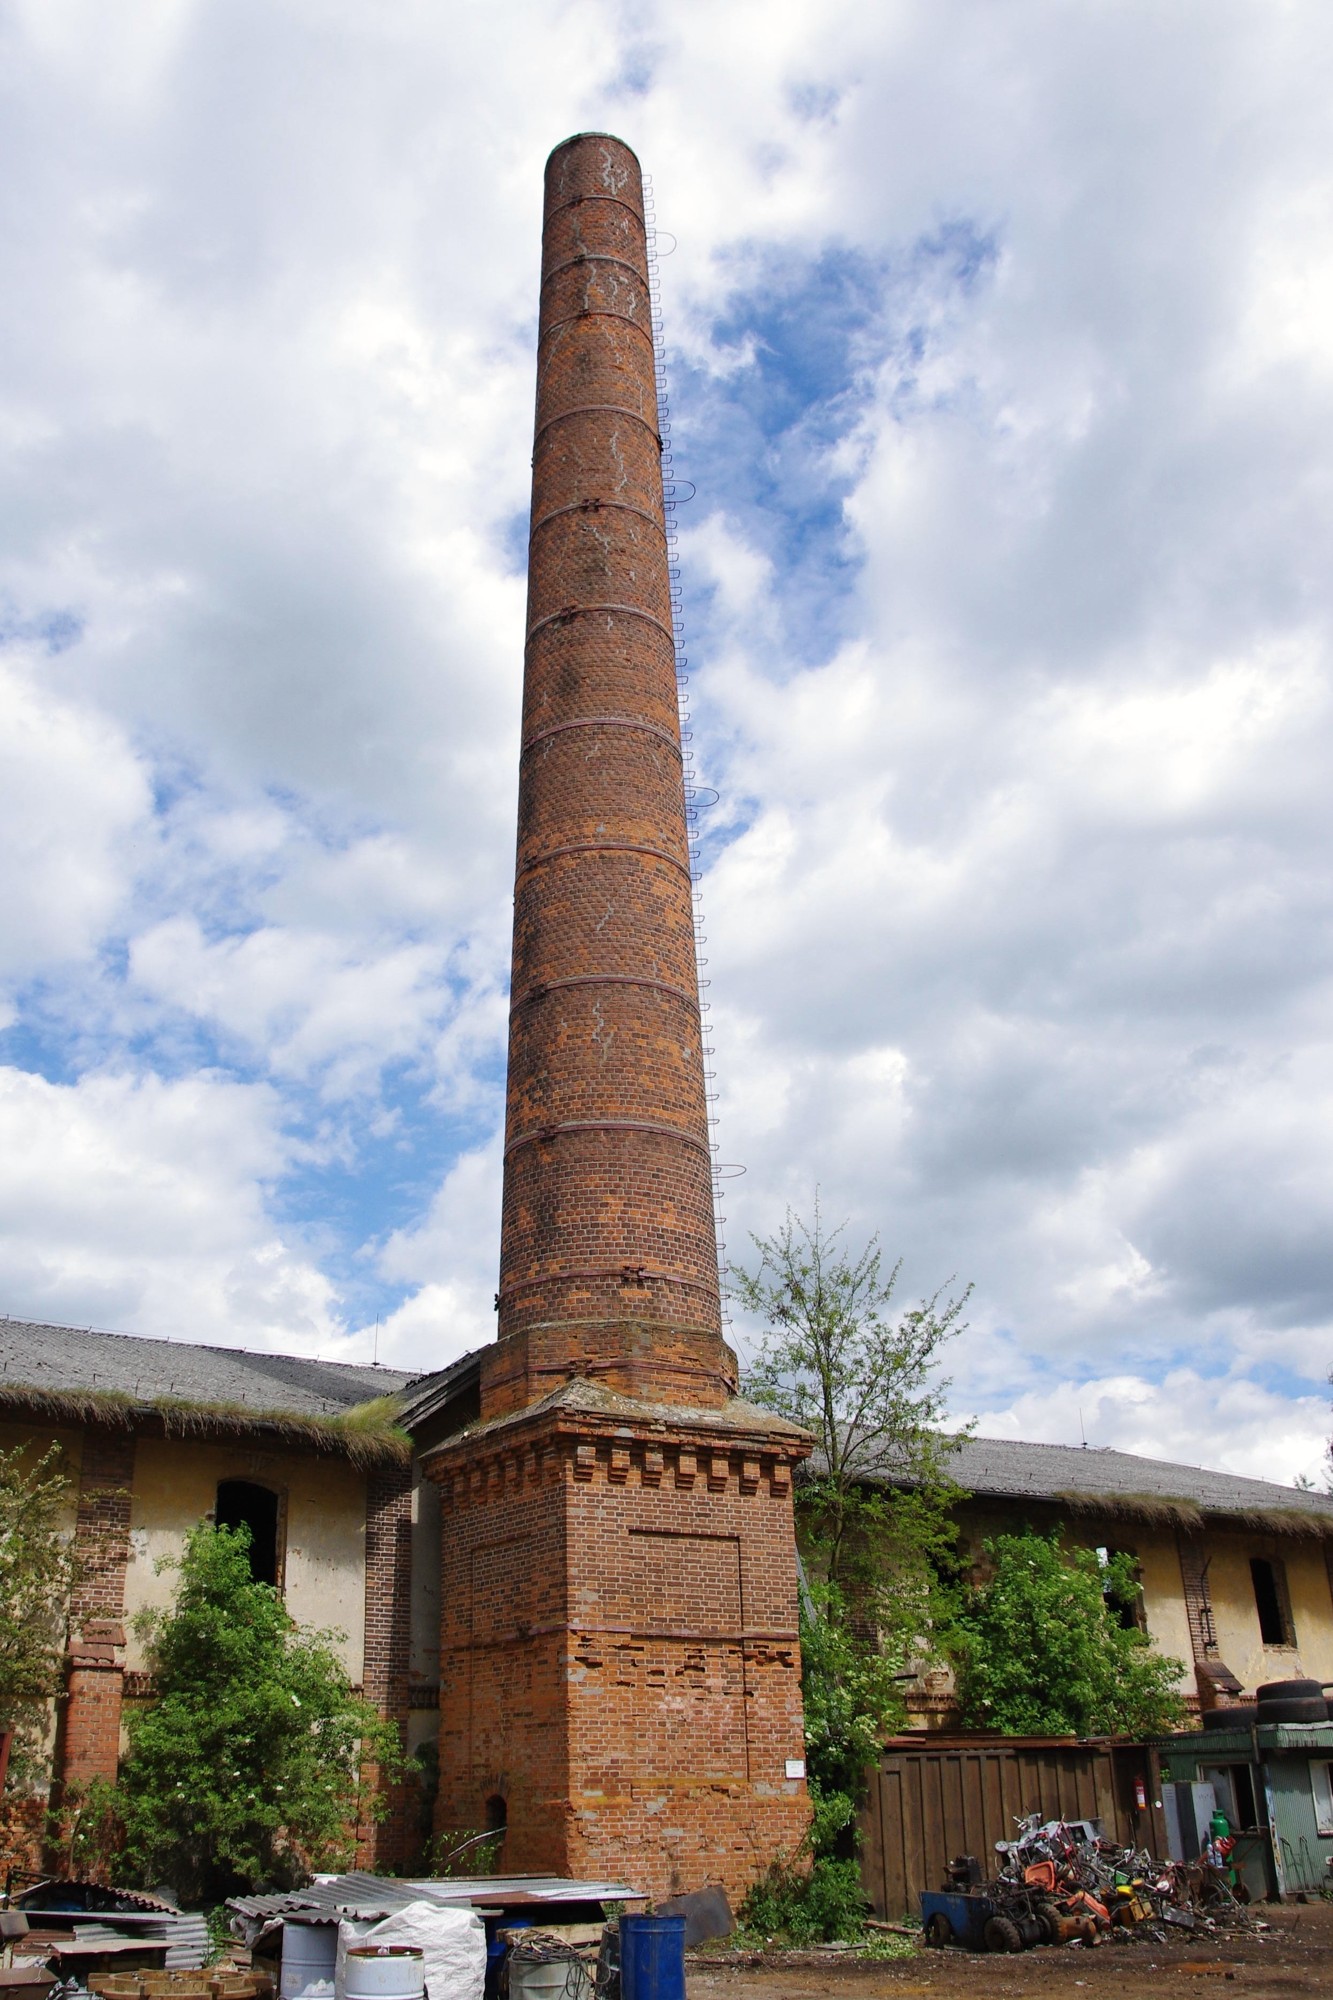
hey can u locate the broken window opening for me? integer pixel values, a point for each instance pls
(1268, 1576)
(497, 1813)
(1127, 1611)
(241, 1503)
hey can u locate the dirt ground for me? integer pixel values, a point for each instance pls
(1293, 1957)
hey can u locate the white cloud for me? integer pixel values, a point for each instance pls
(300, 1001)
(137, 1204)
(75, 797)
(1188, 1417)
(450, 1259)
(1021, 943)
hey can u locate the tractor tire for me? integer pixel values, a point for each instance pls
(1291, 1701)
(1001, 1935)
(1307, 1711)
(939, 1931)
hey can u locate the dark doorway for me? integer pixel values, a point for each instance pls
(242, 1504)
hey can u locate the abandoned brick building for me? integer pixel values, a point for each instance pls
(566, 1564)
(157, 1435)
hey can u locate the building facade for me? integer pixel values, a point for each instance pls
(1235, 1575)
(326, 1463)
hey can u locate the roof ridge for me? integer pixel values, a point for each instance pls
(197, 1346)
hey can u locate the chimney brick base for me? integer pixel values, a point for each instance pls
(619, 1662)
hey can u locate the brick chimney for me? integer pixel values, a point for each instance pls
(620, 1669)
(608, 1259)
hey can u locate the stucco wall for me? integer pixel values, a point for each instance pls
(176, 1484)
(1237, 1621)
(36, 1438)
(1231, 1591)
(1163, 1592)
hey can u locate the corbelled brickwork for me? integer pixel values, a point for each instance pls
(89, 1735)
(620, 1673)
(385, 1844)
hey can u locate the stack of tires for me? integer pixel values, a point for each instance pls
(1292, 1701)
(1277, 1701)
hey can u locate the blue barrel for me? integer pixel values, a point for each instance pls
(652, 1958)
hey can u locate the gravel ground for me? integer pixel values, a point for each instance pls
(1293, 1957)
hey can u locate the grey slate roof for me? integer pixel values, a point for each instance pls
(70, 1360)
(66, 1359)
(1003, 1468)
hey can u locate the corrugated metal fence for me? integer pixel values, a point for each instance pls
(933, 1799)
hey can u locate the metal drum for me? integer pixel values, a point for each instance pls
(549, 1979)
(309, 1956)
(384, 1972)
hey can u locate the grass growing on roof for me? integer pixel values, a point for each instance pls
(367, 1434)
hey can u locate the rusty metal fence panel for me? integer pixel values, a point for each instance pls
(926, 1804)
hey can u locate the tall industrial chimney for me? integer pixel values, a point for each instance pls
(620, 1672)
(608, 1258)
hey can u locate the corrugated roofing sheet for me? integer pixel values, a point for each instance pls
(362, 1895)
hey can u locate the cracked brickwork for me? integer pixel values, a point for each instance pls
(619, 1655)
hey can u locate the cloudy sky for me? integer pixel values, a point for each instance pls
(1000, 360)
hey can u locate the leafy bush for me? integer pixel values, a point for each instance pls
(35, 1574)
(807, 1906)
(1041, 1651)
(246, 1770)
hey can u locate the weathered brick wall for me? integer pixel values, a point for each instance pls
(386, 1843)
(88, 1738)
(609, 1258)
(620, 1661)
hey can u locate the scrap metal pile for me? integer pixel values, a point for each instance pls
(1061, 1882)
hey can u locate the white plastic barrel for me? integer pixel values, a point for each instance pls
(309, 1955)
(384, 1972)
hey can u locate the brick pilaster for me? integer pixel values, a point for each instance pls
(1217, 1685)
(95, 1661)
(388, 1646)
(1198, 1604)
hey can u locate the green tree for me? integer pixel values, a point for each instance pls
(245, 1771)
(1041, 1650)
(873, 1522)
(839, 1358)
(36, 1569)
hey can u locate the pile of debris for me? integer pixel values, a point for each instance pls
(61, 1931)
(1062, 1882)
